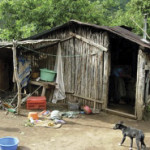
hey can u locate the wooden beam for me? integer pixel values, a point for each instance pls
(16, 76)
(89, 99)
(69, 92)
(89, 42)
(27, 42)
(52, 44)
(42, 83)
(36, 41)
(121, 113)
(66, 39)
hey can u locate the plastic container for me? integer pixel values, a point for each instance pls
(11, 110)
(35, 75)
(9, 143)
(73, 106)
(47, 75)
(36, 102)
(87, 109)
(33, 115)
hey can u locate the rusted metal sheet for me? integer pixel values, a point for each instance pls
(122, 32)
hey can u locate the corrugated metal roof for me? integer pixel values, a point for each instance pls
(115, 30)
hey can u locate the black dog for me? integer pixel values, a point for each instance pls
(131, 133)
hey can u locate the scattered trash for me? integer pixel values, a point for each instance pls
(55, 115)
(46, 113)
(28, 124)
(7, 105)
(11, 110)
(41, 113)
(51, 124)
(71, 114)
(33, 115)
(31, 120)
(59, 121)
(87, 109)
(82, 112)
(48, 124)
(50, 119)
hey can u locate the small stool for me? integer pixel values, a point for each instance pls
(36, 102)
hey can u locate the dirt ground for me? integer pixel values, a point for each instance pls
(87, 132)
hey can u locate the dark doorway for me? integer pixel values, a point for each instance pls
(122, 82)
(6, 69)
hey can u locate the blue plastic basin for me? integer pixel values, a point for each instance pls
(9, 143)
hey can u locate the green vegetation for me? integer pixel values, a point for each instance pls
(22, 18)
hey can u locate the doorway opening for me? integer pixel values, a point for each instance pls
(6, 70)
(122, 81)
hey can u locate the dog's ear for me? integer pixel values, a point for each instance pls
(121, 122)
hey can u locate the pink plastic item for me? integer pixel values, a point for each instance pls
(87, 109)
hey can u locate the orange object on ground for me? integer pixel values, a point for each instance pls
(36, 102)
(34, 115)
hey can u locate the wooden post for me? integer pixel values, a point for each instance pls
(140, 85)
(16, 76)
(106, 74)
(43, 91)
(106, 71)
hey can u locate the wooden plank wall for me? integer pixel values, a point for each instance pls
(85, 75)
(142, 93)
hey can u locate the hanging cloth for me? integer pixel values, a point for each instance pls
(59, 92)
(24, 69)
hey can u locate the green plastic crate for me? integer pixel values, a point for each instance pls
(47, 75)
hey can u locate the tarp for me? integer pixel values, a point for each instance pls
(24, 70)
(59, 92)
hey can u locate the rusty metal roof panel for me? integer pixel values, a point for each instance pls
(115, 30)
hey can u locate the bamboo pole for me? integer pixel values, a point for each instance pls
(16, 76)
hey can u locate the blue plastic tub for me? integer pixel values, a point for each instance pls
(9, 143)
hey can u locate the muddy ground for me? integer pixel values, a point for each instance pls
(88, 132)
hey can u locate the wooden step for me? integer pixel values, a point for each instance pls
(120, 113)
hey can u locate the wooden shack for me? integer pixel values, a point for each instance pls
(89, 55)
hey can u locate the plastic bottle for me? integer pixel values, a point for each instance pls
(31, 120)
(12, 110)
